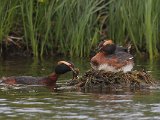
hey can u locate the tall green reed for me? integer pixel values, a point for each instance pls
(75, 26)
(7, 17)
(69, 24)
(72, 26)
(36, 23)
(136, 21)
(151, 26)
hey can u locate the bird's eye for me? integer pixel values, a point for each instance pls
(71, 65)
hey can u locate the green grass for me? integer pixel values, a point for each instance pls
(136, 21)
(75, 26)
(7, 18)
(72, 26)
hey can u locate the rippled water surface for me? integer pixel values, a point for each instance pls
(38, 102)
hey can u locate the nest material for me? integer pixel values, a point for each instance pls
(119, 80)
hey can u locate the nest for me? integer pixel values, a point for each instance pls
(93, 80)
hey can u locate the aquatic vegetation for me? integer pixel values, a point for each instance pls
(49, 25)
(76, 24)
(8, 12)
(116, 81)
(73, 27)
(137, 22)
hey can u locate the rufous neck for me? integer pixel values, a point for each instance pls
(53, 76)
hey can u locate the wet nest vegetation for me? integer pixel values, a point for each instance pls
(113, 81)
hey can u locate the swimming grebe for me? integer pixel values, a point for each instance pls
(112, 58)
(61, 68)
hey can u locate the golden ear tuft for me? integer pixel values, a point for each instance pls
(107, 42)
(64, 62)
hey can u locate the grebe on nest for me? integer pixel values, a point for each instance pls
(50, 80)
(112, 58)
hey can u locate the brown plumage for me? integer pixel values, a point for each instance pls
(50, 80)
(109, 58)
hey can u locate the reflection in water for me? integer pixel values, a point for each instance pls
(38, 102)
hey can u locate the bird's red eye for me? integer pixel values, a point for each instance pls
(71, 65)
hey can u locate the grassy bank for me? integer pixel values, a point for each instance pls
(73, 27)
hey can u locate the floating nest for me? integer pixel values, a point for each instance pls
(100, 80)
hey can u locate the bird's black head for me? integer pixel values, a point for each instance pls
(107, 46)
(109, 49)
(63, 67)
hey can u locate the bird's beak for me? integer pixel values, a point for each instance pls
(98, 49)
(74, 70)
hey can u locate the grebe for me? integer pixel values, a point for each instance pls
(112, 58)
(50, 80)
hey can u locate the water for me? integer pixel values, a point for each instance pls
(39, 103)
